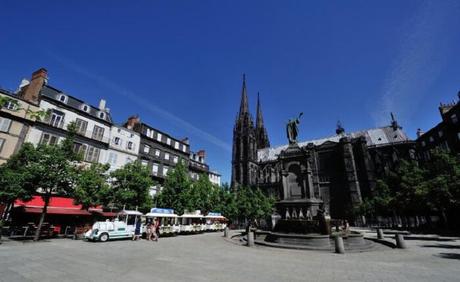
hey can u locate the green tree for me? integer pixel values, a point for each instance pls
(12, 179)
(172, 194)
(91, 187)
(200, 195)
(226, 202)
(442, 185)
(130, 187)
(251, 204)
(379, 203)
(47, 170)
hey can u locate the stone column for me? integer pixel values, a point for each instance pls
(250, 238)
(350, 172)
(400, 243)
(284, 175)
(339, 246)
(367, 164)
(311, 191)
(379, 233)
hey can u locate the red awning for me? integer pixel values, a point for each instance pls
(57, 205)
(62, 211)
(107, 214)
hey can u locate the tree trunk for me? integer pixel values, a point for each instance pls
(6, 211)
(42, 218)
(444, 217)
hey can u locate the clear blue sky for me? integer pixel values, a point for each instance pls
(179, 64)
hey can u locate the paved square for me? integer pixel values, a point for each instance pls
(208, 257)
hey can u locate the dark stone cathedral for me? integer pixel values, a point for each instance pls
(333, 173)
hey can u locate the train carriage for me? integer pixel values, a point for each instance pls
(215, 221)
(169, 222)
(191, 222)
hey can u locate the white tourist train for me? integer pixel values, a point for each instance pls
(170, 224)
(215, 221)
(192, 222)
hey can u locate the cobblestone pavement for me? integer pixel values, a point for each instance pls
(208, 257)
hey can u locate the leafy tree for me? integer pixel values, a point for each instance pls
(91, 187)
(130, 187)
(200, 195)
(226, 202)
(442, 185)
(381, 201)
(410, 190)
(172, 195)
(252, 204)
(11, 179)
(45, 169)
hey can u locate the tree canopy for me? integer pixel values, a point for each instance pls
(418, 188)
(91, 186)
(130, 186)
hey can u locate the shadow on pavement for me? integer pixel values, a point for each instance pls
(442, 246)
(449, 255)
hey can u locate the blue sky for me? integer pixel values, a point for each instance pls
(179, 64)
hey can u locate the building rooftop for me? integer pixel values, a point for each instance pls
(374, 137)
(76, 104)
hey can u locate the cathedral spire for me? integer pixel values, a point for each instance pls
(261, 132)
(259, 119)
(244, 98)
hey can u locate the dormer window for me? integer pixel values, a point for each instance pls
(85, 108)
(101, 115)
(62, 98)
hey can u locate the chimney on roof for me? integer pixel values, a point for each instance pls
(132, 121)
(419, 132)
(186, 141)
(102, 105)
(31, 91)
(201, 153)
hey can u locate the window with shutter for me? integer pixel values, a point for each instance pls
(5, 124)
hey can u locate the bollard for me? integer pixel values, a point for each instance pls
(226, 232)
(339, 247)
(400, 244)
(250, 239)
(379, 233)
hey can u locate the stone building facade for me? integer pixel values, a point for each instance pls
(15, 123)
(445, 135)
(332, 173)
(123, 147)
(93, 123)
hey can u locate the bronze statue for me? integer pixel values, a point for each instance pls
(292, 129)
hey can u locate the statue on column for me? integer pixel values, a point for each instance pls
(292, 129)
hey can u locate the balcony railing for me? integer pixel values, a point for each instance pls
(199, 166)
(90, 134)
(86, 133)
(53, 122)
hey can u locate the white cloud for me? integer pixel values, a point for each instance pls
(424, 50)
(142, 102)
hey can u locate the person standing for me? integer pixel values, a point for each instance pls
(137, 230)
(155, 226)
(148, 230)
